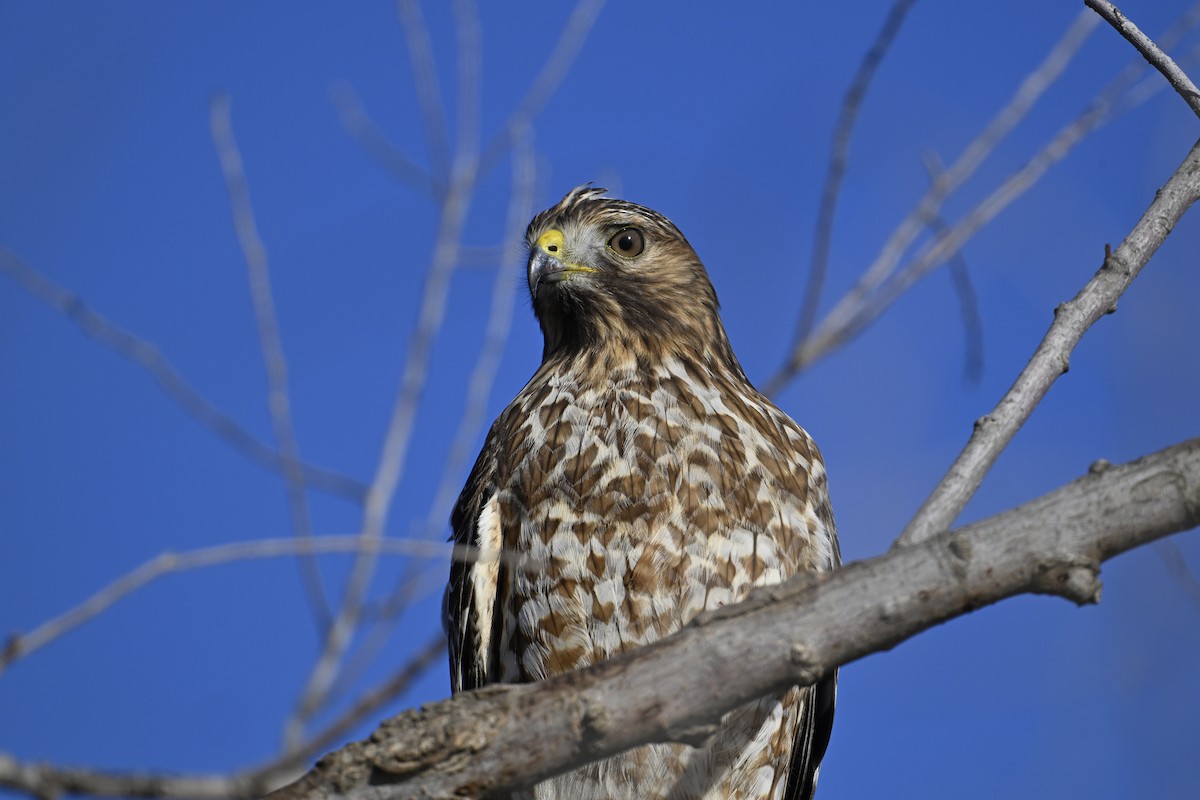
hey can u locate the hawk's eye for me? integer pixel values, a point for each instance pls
(628, 242)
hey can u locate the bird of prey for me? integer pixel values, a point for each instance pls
(637, 480)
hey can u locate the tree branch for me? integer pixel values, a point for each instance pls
(279, 404)
(809, 344)
(838, 157)
(147, 356)
(1153, 54)
(505, 737)
(18, 646)
(1098, 297)
(882, 283)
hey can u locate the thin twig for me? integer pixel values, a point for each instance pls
(1153, 54)
(469, 48)
(557, 65)
(968, 304)
(1018, 107)
(838, 157)
(1177, 567)
(363, 129)
(270, 343)
(964, 290)
(390, 469)
(1071, 320)
(429, 95)
(469, 52)
(19, 646)
(504, 289)
(479, 386)
(463, 175)
(854, 312)
(46, 781)
(364, 709)
(147, 356)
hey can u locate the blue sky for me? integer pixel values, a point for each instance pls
(110, 186)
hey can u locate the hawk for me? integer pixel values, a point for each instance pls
(637, 480)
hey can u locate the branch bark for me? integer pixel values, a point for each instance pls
(506, 737)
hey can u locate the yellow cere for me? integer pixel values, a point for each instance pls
(551, 243)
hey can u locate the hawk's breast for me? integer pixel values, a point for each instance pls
(637, 501)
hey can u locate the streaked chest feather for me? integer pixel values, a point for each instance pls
(638, 501)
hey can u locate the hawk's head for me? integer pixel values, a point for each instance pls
(608, 271)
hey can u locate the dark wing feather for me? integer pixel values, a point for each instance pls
(467, 670)
(816, 723)
(812, 737)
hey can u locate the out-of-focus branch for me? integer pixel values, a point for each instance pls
(363, 130)
(868, 300)
(152, 361)
(557, 65)
(45, 782)
(929, 206)
(839, 155)
(960, 276)
(365, 708)
(1152, 52)
(18, 646)
(464, 173)
(1072, 319)
(469, 52)
(501, 738)
(425, 80)
(479, 386)
(270, 343)
(1177, 567)
(964, 290)
(390, 469)
(504, 288)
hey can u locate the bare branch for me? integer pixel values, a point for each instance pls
(557, 65)
(850, 315)
(19, 646)
(858, 309)
(839, 155)
(469, 48)
(483, 374)
(1153, 54)
(1071, 320)
(363, 129)
(964, 290)
(45, 781)
(1172, 557)
(504, 737)
(479, 386)
(390, 469)
(364, 708)
(278, 402)
(151, 360)
(429, 95)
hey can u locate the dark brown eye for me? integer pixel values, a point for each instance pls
(628, 242)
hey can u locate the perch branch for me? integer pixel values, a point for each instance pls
(503, 738)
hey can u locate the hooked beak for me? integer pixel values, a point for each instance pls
(546, 266)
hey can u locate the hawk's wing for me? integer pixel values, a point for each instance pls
(812, 737)
(816, 721)
(469, 605)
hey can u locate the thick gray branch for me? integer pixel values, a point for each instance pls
(500, 738)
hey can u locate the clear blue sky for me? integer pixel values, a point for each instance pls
(720, 118)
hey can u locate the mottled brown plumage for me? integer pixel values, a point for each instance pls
(636, 480)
